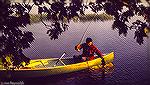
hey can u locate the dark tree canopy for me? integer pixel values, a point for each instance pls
(60, 12)
(16, 15)
(12, 39)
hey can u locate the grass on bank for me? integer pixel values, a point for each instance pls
(82, 18)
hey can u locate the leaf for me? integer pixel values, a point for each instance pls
(40, 10)
(56, 30)
(121, 26)
(38, 2)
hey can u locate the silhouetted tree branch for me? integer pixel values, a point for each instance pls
(58, 11)
(12, 39)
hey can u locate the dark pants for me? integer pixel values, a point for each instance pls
(77, 58)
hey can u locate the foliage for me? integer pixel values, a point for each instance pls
(60, 12)
(12, 38)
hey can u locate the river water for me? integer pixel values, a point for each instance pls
(132, 61)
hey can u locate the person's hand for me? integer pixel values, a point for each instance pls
(84, 58)
(78, 47)
(78, 50)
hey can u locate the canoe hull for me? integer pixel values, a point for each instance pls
(55, 70)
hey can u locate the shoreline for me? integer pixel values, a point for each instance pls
(35, 18)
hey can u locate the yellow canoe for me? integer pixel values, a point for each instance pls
(48, 67)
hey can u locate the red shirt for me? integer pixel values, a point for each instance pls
(88, 51)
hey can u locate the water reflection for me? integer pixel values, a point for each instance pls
(93, 74)
(101, 72)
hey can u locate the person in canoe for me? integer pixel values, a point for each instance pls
(88, 50)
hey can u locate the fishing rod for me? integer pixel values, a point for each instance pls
(81, 40)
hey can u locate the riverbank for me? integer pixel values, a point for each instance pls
(35, 18)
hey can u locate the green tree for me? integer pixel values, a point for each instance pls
(12, 39)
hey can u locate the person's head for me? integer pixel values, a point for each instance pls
(89, 41)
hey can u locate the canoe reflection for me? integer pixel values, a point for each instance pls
(87, 75)
(96, 72)
(100, 72)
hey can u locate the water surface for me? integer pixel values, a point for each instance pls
(132, 61)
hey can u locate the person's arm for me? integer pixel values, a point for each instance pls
(78, 47)
(98, 52)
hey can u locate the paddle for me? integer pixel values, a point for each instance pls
(103, 61)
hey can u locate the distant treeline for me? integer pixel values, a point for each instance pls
(82, 18)
(95, 17)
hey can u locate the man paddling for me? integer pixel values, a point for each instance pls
(88, 50)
